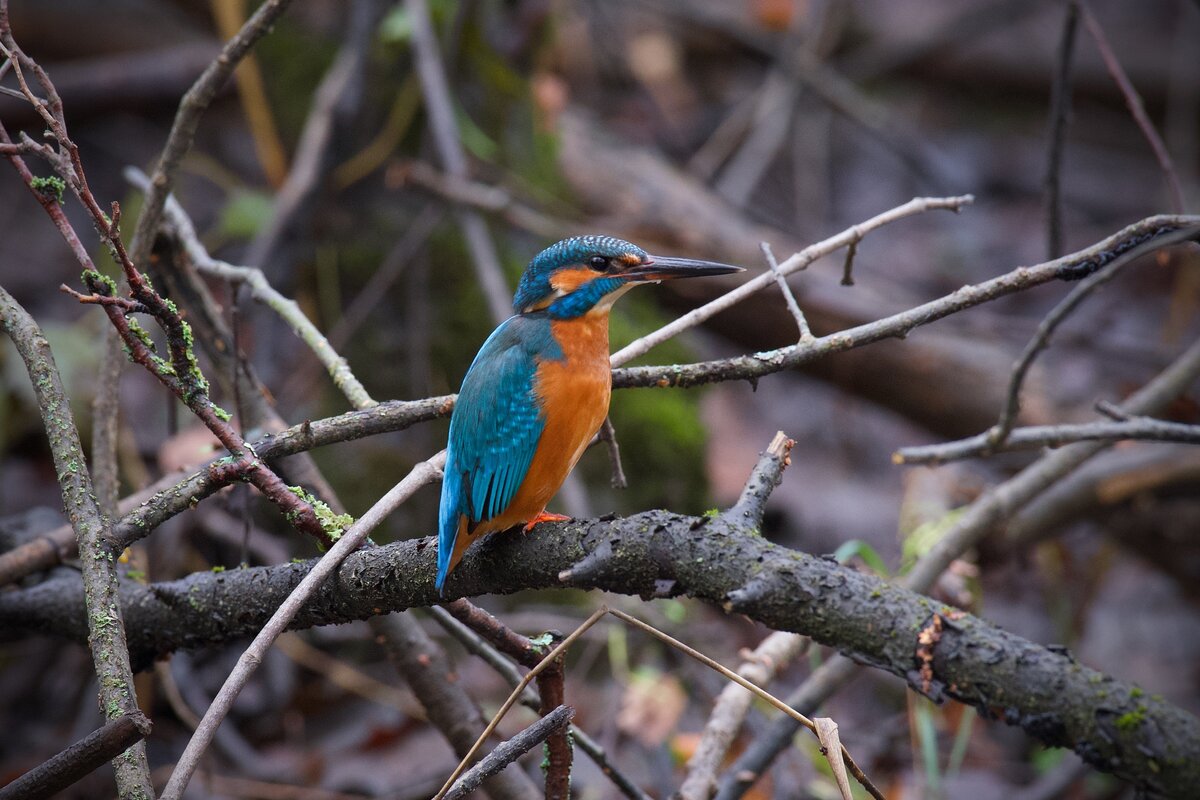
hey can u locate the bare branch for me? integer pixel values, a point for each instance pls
(80, 759)
(187, 120)
(1140, 428)
(793, 263)
(439, 106)
(1134, 101)
(980, 518)
(546, 662)
(508, 752)
(104, 615)
(1060, 109)
(1057, 700)
(446, 702)
(1070, 267)
(550, 681)
(476, 645)
(773, 654)
(262, 292)
(749, 508)
(1045, 329)
(423, 473)
(781, 282)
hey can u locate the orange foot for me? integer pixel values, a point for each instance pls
(544, 516)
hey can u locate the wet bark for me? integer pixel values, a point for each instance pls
(1115, 726)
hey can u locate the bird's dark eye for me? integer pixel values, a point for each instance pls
(599, 263)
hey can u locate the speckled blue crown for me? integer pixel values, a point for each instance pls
(535, 283)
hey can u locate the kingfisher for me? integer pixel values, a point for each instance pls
(538, 390)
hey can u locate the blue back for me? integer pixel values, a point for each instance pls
(494, 429)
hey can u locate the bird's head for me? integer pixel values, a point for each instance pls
(586, 273)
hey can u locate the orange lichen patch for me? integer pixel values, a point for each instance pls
(927, 639)
(568, 280)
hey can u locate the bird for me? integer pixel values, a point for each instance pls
(538, 390)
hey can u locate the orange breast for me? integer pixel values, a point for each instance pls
(574, 393)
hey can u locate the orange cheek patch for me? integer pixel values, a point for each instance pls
(568, 280)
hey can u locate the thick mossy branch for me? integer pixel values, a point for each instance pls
(1113, 725)
(98, 610)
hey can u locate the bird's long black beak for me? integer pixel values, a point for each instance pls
(663, 268)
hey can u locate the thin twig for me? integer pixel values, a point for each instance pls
(763, 694)
(550, 684)
(1137, 429)
(440, 108)
(1133, 101)
(781, 282)
(1060, 110)
(508, 752)
(1070, 267)
(515, 695)
(793, 263)
(261, 291)
(187, 120)
(1045, 329)
(80, 759)
(772, 655)
(848, 263)
(448, 706)
(754, 761)
(475, 644)
(608, 435)
(423, 473)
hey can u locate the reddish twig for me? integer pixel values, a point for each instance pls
(1060, 107)
(550, 681)
(1134, 102)
(478, 646)
(553, 724)
(180, 373)
(182, 376)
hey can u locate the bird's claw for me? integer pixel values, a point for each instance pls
(544, 516)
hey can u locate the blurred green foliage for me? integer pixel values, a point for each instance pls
(245, 212)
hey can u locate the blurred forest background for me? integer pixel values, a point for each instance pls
(695, 127)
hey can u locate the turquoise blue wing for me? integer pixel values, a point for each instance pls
(494, 431)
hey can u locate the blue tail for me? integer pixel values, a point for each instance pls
(448, 514)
